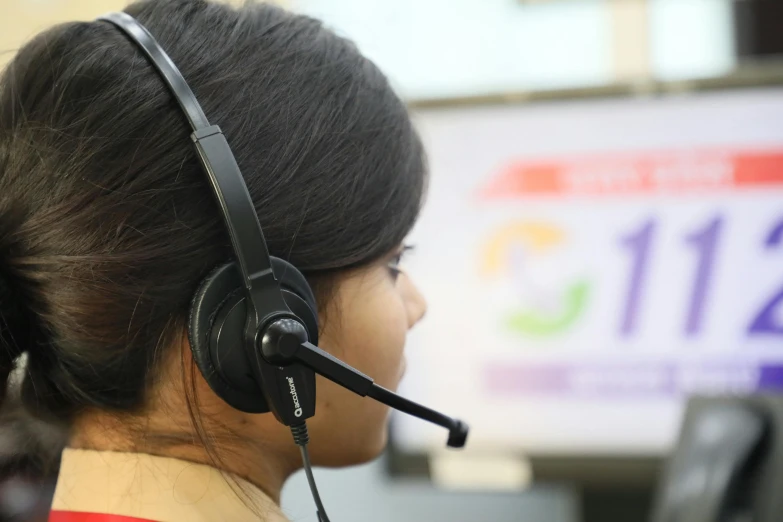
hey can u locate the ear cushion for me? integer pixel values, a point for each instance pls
(216, 330)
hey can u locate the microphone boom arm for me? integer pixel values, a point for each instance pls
(340, 373)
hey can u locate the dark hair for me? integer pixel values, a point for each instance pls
(107, 221)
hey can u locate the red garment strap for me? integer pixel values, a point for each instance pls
(79, 516)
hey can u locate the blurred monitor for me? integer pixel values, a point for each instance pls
(589, 264)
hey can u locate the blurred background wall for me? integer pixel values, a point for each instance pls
(438, 48)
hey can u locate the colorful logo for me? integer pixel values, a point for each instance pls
(526, 263)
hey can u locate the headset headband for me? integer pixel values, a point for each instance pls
(227, 182)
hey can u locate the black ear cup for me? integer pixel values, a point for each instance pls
(216, 330)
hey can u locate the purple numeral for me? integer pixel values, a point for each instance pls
(639, 245)
(705, 242)
(764, 322)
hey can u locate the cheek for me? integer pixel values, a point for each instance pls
(374, 339)
(383, 344)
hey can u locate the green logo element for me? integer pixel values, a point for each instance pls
(549, 310)
(541, 324)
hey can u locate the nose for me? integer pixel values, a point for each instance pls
(415, 303)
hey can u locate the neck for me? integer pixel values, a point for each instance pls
(254, 460)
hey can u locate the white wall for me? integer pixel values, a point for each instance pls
(446, 48)
(691, 38)
(433, 48)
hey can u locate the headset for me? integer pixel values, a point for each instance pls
(253, 323)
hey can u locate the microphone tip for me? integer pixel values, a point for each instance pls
(458, 435)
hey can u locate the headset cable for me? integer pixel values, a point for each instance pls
(301, 438)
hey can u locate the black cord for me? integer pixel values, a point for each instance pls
(302, 438)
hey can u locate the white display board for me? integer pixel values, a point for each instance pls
(589, 264)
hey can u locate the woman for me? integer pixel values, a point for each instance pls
(108, 224)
